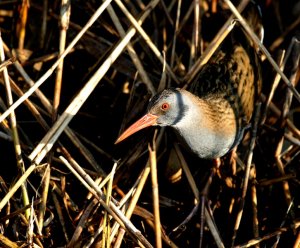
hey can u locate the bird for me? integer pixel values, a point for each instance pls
(211, 115)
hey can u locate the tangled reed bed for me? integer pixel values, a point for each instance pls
(69, 87)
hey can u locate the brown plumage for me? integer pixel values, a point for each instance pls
(230, 84)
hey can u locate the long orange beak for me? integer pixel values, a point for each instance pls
(146, 121)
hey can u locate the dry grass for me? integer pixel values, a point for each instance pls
(70, 84)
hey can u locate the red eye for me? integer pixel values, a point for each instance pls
(165, 106)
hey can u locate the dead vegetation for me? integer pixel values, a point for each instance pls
(75, 74)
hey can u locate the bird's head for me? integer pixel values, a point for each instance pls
(164, 109)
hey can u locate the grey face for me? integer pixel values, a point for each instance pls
(168, 106)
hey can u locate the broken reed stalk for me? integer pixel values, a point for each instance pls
(255, 219)
(65, 12)
(172, 62)
(106, 242)
(13, 126)
(155, 194)
(108, 199)
(30, 226)
(196, 41)
(82, 149)
(22, 24)
(44, 24)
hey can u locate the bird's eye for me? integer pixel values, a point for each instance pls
(165, 106)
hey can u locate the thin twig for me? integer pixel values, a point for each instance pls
(274, 86)
(256, 241)
(43, 32)
(45, 191)
(255, 221)
(22, 23)
(15, 134)
(106, 220)
(65, 13)
(60, 215)
(282, 37)
(174, 36)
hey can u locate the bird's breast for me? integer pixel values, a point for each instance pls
(206, 143)
(208, 131)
